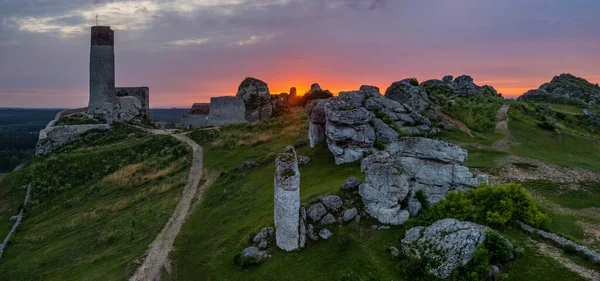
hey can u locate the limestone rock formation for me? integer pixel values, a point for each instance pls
(287, 200)
(351, 183)
(315, 111)
(447, 243)
(349, 214)
(434, 167)
(408, 92)
(52, 137)
(384, 188)
(410, 165)
(262, 238)
(315, 87)
(316, 212)
(126, 109)
(254, 252)
(459, 86)
(565, 86)
(331, 202)
(325, 234)
(257, 99)
(348, 132)
(357, 121)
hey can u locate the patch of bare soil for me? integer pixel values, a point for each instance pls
(558, 255)
(452, 120)
(158, 252)
(502, 127)
(514, 168)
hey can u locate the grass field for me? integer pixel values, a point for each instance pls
(562, 148)
(95, 206)
(567, 109)
(573, 208)
(238, 204)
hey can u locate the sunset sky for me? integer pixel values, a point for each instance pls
(189, 50)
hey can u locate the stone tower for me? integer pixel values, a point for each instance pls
(102, 68)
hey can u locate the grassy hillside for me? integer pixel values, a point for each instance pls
(564, 146)
(238, 204)
(95, 206)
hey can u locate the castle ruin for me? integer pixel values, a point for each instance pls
(220, 111)
(112, 103)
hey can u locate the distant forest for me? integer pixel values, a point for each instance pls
(19, 130)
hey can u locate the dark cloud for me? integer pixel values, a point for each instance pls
(180, 49)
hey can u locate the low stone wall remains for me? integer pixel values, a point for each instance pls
(562, 242)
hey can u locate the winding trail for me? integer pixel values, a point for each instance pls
(158, 252)
(502, 127)
(462, 126)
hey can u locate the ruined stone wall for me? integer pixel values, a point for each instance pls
(194, 120)
(227, 110)
(102, 68)
(223, 111)
(141, 93)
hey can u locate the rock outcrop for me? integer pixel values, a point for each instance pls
(384, 188)
(357, 121)
(565, 86)
(315, 87)
(447, 244)
(459, 86)
(408, 166)
(433, 167)
(408, 92)
(52, 137)
(315, 110)
(287, 200)
(257, 99)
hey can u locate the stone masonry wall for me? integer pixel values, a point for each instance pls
(223, 111)
(141, 93)
(102, 68)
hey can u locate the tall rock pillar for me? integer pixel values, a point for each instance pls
(287, 201)
(102, 68)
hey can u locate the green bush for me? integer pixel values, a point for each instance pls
(477, 268)
(488, 205)
(414, 82)
(422, 198)
(499, 248)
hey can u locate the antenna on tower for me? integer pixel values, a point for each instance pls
(96, 19)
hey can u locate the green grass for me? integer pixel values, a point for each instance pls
(238, 204)
(575, 198)
(478, 113)
(484, 158)
(95, 206)
(567, 109)
(11, 199)
(533, 265)
(457, 135)
(585, 195)
(564, 148)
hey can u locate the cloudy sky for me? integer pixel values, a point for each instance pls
(189, 50)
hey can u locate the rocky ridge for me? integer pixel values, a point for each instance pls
(565, 86)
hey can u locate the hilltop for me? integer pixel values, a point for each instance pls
(370, 168)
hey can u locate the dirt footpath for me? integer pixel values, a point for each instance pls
(158, 252)
(502, 127)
